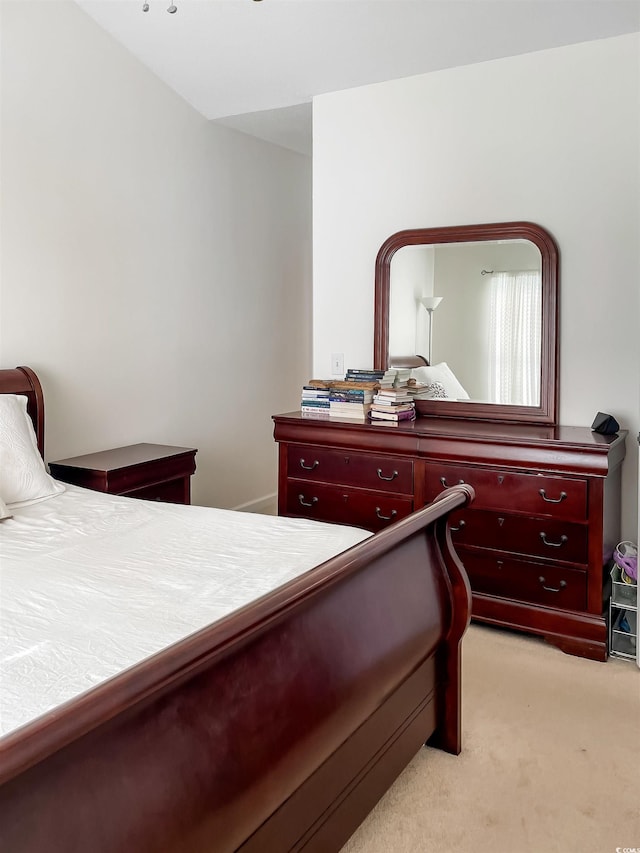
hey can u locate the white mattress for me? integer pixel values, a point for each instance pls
(91, 584)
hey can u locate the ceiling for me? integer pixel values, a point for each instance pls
(256, 66)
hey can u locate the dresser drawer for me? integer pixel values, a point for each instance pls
(498, 489)
(382, 473)
(540, 583)
(553, 538)
(359, 508)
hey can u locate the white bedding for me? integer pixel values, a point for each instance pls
(91, 584)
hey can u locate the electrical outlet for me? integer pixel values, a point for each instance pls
(337, 364)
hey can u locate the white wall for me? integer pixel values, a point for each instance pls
(411, 278)
(155, 268)
(462, 322)
(551, 137)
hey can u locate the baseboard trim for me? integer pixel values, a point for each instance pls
(267, 505)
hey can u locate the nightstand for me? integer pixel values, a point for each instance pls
(150, 471)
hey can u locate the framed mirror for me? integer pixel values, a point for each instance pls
(479, 304)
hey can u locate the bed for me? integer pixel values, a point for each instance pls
(277, 727)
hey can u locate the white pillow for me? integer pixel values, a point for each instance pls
(4, 512)
(441, 373)
(23, 476)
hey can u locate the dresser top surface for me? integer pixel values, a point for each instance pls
(458, 428)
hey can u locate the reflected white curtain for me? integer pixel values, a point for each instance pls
(515, 329)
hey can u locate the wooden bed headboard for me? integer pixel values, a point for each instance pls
(407, 361)
(22, 380)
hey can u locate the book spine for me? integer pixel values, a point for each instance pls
(362, 417)
(392, 401)
(348, 397)
(355, 386)
(391, 410)
(349, 407)
(394, 398)
(400, 416)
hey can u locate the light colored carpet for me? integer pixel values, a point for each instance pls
(550, 760)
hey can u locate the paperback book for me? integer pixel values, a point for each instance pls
(364, 373)
(349, 410)
(351, 395)
(346, 384)
(393, 395)
(315, 395)
(407, 415)
(317, 404)
(317, 383)
(393, 408)
(320, 414)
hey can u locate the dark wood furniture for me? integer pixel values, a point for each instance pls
(544, 521)
(495, 232)
(547, 513)
(408, 361)
(151, 471)
(274, 729)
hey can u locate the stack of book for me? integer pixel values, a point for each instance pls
(362, 393)
(384, 378)
(315, 399)
(419, 391)
(363, 374)
(402, 377)
(392, 405)
(351, 399)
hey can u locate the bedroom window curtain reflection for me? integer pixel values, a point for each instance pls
(515, 329)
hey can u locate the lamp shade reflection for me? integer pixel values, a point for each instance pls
(430, 303)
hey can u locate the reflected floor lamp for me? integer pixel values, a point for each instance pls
(430, 303)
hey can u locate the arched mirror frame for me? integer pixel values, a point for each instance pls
(545, 413)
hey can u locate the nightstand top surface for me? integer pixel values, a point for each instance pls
(123, 457)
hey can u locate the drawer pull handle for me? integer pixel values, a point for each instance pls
(443, 480)
(459, 527)
(559, 544)
(307, 503)
(309, 467)
(552, 588)
(386, 517)
(544, 497)
(387, 479)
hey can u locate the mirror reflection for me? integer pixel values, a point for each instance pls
(474, 311)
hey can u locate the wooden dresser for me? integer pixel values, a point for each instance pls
(534, 542)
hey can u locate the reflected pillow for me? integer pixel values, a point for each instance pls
(434, 391)
(442, 374)
(23, 476)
